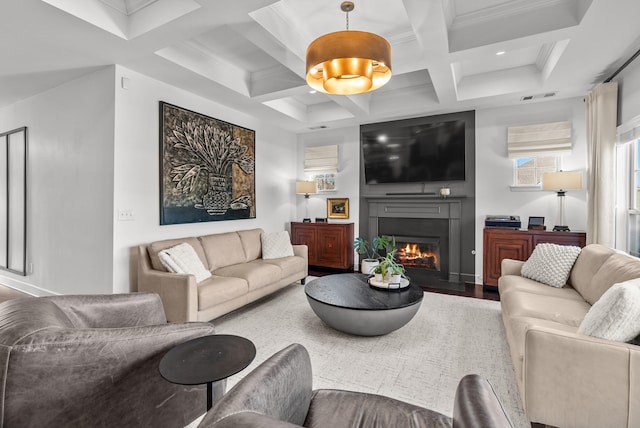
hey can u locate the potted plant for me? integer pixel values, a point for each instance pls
(394, 270)
(370, 251)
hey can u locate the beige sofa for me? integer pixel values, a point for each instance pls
(567, 379)
(239, 274)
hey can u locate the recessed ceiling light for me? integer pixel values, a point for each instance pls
(500, 53)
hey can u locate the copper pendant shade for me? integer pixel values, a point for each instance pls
(348, 62)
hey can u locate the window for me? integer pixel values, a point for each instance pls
(634, 203)
(528, 171)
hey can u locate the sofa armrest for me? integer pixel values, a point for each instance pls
(68, 371)
(279, 388)
(178, 292)
(112, 310)
(511, 267)
(301, 251)
(572, 380)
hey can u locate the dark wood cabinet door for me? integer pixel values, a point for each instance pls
(498, 246)
(301, 235)
(330, 246)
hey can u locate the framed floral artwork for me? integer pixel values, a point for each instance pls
(206, 168)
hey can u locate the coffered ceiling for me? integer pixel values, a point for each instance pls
(448, 55)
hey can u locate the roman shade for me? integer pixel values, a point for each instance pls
(321, 158)
(545, 139)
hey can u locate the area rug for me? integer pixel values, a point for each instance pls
(421, 363)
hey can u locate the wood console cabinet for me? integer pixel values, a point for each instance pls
(330, 244)
(518, 244)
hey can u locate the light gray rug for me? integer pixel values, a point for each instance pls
(421, 363)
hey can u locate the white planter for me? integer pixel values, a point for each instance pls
(367, 265)
(378, 277)
(396, 278)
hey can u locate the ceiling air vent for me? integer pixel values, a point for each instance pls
(537, 96)
(318, 127)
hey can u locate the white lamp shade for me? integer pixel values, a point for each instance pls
(306, 187)
(562, 180)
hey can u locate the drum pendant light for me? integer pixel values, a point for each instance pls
(348, 62)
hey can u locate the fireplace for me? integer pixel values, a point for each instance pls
(422, 245)
(427, 235)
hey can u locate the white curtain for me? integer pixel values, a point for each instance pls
(601, 112)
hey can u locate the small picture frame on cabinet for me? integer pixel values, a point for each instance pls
(321, 219)
(536, 223)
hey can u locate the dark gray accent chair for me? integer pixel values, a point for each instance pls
(279, 393)
(92, 361)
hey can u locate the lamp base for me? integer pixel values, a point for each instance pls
(306, 220)
(561, 229)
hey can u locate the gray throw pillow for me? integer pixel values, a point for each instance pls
(551, 264)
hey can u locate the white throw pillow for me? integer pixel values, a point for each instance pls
(616, 315)
(550, 264)
(276, 245)
(183, 259)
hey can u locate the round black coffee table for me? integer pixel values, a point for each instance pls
(207, 359)
(349, 304)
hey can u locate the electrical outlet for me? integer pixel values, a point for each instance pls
(126, 214)
(31, 268)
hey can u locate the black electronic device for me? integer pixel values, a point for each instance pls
(506, 221)
(414, 151)
(536, 223)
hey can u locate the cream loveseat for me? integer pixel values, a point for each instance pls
(567, 379)
(239, 275)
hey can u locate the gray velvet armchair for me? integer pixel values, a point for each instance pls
(278, 394)
(92, 361)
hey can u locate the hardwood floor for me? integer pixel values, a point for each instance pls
(466, 289)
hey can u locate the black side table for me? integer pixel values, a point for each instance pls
(207, 359)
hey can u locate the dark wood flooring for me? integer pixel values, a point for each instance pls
(466, 289)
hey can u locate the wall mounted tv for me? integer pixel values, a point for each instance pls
(413, 151)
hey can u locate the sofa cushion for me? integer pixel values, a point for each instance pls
(223, 249)
(289, 265)
(616, 315)
(219, 289)
(516, 284)
(591, 258)
(183, 259)
(155, 247)
(256, 274)
(550, 263)
(617, 268)
(251, 243)
(564, 311)
(276, 245)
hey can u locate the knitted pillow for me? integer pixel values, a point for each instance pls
(183, 259)
(276, 245)
(550, 264)
(616, 315)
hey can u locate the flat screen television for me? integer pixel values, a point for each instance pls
(410, 151)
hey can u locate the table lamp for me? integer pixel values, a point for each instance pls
(306, 188)
(560, 182)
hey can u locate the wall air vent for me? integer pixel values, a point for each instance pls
(537, 96)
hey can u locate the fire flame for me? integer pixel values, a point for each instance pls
(412, 255)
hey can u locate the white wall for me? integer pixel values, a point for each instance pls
(629, 92)
(69, 186)
(347, 178)
(136, 177)
(494, 171)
